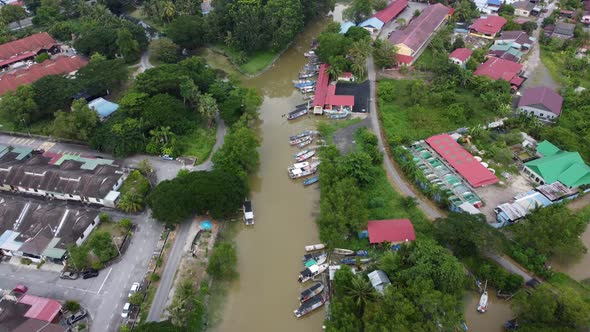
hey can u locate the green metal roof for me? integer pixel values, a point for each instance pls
(550, 168)
(576, 175)
(547, 149)
(52, 251)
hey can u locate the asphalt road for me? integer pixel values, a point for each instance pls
(534, 69)
(103, 296)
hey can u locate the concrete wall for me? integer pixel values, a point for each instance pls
(88, 230)
(539, 113)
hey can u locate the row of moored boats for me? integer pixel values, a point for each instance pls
(306, 162)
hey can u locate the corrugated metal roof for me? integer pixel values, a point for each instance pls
(391, 231)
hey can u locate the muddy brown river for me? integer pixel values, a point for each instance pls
(269, 253)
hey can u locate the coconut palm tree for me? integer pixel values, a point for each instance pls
(168, 11)
(162, 135)
(334, 71)
(401, 22)
(130, 202)
(189, 91)
(360, 291)
(208, 108)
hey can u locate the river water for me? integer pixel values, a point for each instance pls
(269, 254)
(493, 320)
(579, 269)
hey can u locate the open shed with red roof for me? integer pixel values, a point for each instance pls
(325, 96)
(392, 231)
(461, 160)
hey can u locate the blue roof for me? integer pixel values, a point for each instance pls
(372, 22)
(345, 26)
(103, 107)
(495, 2)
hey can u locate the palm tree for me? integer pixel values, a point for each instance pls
(208, 108)
(359, 68)
(361, 292)
(401, 22)
(162, 135)
(189, 91)
(168, 10)
(130, 202)
(334, 72)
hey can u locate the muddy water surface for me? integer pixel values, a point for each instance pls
(266, 293)
(579, 269)
(493, 320)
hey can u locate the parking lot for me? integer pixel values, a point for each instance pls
(497, 194)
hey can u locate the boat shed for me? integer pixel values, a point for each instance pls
(379, 280)
(392, 231)
(325, 94)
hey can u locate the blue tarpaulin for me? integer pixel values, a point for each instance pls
(206, 225)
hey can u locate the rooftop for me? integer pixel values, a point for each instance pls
(41, 308)
(325, 94)
(419, 30)
(103, 107)
(566, 167)
(489, 25)
(524, 5)
(519, 37)
(542, 96)
(391, 11)
(390, 231)
(547, 149)
(496, 68)
(462, 161)
(31, 44)
(461, 54)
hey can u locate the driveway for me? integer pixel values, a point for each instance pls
(103, 296)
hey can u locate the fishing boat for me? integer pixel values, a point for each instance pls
(305, 143)
(302, 106)
(296, 171)
(309, 54)
(308, 97)
(298, 140)
(312, 272)
(345, 252)
(248, 213)
(304, 155)
(300, 81)
(315, 259)
(314, 247)
(310, 292)
(315, 256)
(311, 67)
(353, 261)
(304, 84)
(303, 134)
(307, 89)
(362, 253)
(483, 302)
(307, 74)
(296, 114)
(339, 115)
(311, 180)
(309, 306)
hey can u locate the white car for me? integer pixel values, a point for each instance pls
(134, 289)
(126, 310)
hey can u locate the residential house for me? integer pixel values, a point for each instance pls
(460, 56)
(523, 8)
(384, 16)
(379, 280)
(42, 231)
(561, 166)
(519, 40)
(392, 231)
(488, 6)
(346, 77)
(62, 65)
(560, 30)
(345, 26)
(487, 26)
(28, 313)
(541, 102)
(103, 107)
(65, 177)
(505, 51)
(25, 48)
(496, 69)
(412, 40)
(325, 97)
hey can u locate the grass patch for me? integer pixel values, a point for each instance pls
(404, 123)
(426, 60)
(218, 61)
(560, 280)
(257, 62)
(555, 63)
(198, 143)
(136, 183)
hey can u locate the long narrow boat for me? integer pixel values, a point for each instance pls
(298, 140)
(314, 247)
(353, 261)
(304, 84)
(300, 172)
(309, 306)
(311, 180)
(305, 155)
(307, 89)
(339, 115)
(315, 259)
(310, 292)
(296, 114)
(311, 272)
(345, 252)
(483, 302)
(307, 74)
(362, 253)
(300, 81)
(302, 106)
(248, 213)
(303, 134)
(305, 143)
(309, 54)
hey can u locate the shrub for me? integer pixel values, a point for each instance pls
(40, 264)
(72, 306)
(154, 277)
(41, 57)
(26, 261)
(125, 224)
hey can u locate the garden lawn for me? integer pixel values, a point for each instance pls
(135, 182)
(404, 124)
(198, 143)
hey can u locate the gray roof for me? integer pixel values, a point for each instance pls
(564, 29)
(68, 178)
(379, 280)
(418, 32)
(525, 5)
(542, 96)
(519, 37)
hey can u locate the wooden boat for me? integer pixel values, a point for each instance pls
(248, 213)
(362, 253)
(353, 261)
(312, 272)
(300, 81)
(483, 302)
(309, 54)
(308, 97)
(339, 115)
(307, 89)
(304, 84)
(296, 171)
(315, 259)
(306, 74)
(345, 252)
(309, 306)
(305, 142)
(296, 114)
(302, 106)
(311, 180)
(310, 292)
(303, 134)
(315, 247)
(305, 155)
(298, 140)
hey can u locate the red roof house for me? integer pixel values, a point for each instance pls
(460, 56)
(496, 68)
(462, 161)
(325, 96)
(58, 66)
(487, 27)
(20, 49)
(390, 231)
(541, 101)
(391, 11)
(41, 308)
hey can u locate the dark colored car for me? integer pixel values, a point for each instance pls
(77, 316)
(69, 275)
(89, 273)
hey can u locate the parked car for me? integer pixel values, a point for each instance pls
(68, 275)
(20, 289)
(89, 273)
(167, 157)
(134, 288)
(77, 316)
(126, 310)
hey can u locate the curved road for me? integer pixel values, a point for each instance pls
(400, 184)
